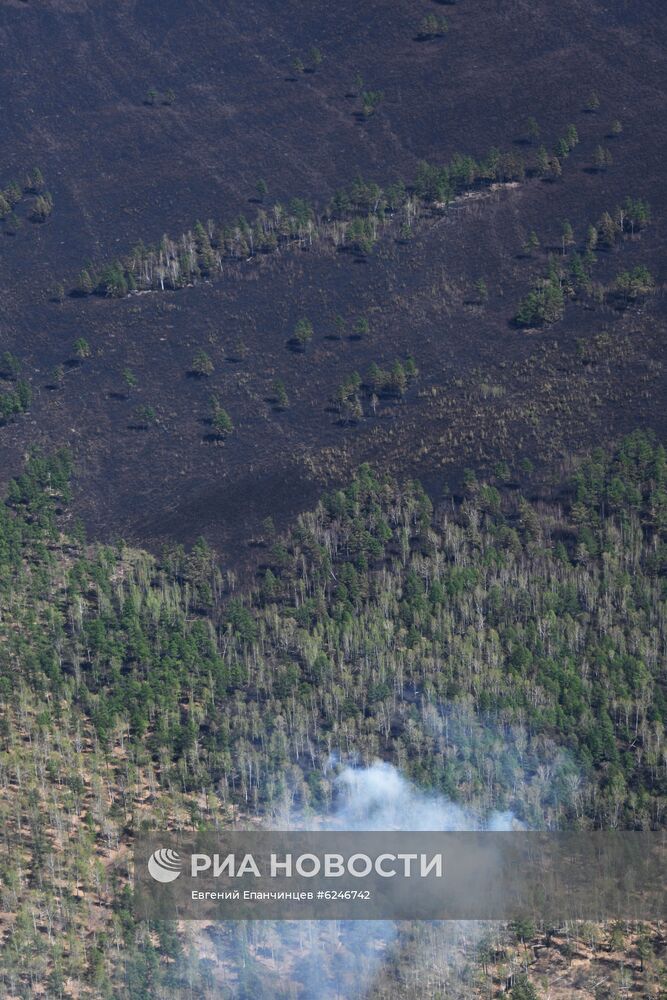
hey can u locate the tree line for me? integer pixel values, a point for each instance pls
(353, 220)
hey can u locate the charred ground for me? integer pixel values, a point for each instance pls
(124, 165)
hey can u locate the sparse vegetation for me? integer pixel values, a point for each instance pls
(202, 364)
(145, 416)
(631, 285)
(280, 394)
(14, 196)
(10, 366)
(602, 158)
(316, 57)
(82, 348)
(545, 303)
(303, 333)
(221, 422)
(432, 26)
(154, 97)
(355, 218)
(593, 102)
(15, 401)
(370, 101)
(130, 380)
(532, 129)
(481, 291)
(361, 326)
(42, 207)
(532, 243)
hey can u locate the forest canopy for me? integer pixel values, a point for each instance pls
(501, 651)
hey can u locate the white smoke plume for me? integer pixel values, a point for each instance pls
(375, 797)
(330, 960)
(379, 797)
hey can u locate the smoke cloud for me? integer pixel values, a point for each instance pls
(329, 960)
(379, 797)
(364, 960)
(375, 797)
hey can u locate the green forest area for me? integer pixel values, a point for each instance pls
(505, 652)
